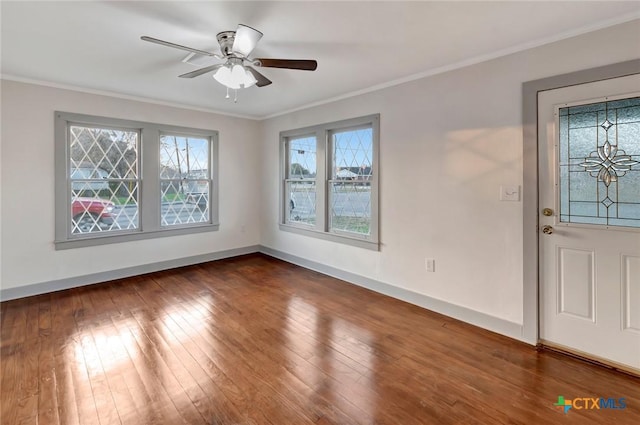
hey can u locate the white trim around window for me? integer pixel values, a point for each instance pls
(111, 180)
(329, 177)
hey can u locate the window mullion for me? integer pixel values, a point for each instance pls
(322, 167)
(150, 166)
(375, 183)
(213, 178)
(284, 175)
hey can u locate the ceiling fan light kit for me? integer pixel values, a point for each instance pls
(235, 47)
(234, 76)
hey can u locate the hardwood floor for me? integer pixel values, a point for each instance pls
(253, 340)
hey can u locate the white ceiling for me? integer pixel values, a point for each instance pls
(359, 45)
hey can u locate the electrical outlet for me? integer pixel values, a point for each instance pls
(430, 264)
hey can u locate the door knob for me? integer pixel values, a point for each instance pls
(548, 212)
(547, 230)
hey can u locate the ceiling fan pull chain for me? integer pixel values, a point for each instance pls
(235, 99)
(227, 96)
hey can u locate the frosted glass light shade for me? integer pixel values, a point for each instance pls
(249, 79)
(245, 40)
(223, 76)
(234, 77)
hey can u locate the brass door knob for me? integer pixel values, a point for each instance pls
(548, 212)
(547, 230)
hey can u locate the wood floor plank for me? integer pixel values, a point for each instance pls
(253, 340)
(180, 385)
(62, 330)
(47, 391)
(75, 357)
(26, 381)
(152, 401)
(226, 366)
(10, 358)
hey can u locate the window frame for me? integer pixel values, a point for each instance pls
(149, 193)
(324, 165)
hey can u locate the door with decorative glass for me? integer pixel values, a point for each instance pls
(589, 219)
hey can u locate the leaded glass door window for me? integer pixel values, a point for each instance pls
(599, 163)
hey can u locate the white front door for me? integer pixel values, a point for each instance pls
(589, 199)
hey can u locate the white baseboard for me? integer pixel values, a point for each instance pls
(492, 323)
(90, 279)
(495, 324)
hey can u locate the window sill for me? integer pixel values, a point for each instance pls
(128, 237)
(333, 237)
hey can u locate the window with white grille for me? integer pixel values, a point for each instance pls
(350, 180)
(301, 180)
(185, 179)
(119, 180)
(330, 181)
(103, 179)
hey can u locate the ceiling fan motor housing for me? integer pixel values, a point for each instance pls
(226, 39)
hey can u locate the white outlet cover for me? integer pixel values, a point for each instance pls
(509, 193)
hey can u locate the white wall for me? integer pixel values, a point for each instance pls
(27, 174)
(447, 144)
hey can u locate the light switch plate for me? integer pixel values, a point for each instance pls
(430, 264)
(509, 193)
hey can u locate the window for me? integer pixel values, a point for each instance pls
(301, 180)
(330, 181)
(184, 179)
(350, 181)
(119, 180)
(103, 169)
(599, 163)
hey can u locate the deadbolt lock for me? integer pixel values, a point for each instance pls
(547, 230)
(547, 212)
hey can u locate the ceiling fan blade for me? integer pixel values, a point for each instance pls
(245, 40)
(200, 71)
(176, 46)
(303, 64)
(262, 80)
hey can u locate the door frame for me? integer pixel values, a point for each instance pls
(530, 187)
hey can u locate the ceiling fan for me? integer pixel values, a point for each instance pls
(236, 72)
